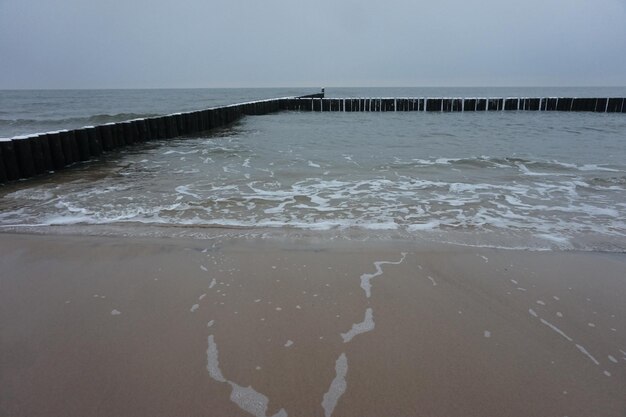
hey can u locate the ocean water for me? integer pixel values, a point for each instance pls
(537, 180)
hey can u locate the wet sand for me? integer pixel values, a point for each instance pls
(114, 326)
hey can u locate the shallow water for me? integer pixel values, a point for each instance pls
(541, 180)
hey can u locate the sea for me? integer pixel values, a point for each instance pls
(505, 179)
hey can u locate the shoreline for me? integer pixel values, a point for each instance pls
(478, 240)
(110, 325)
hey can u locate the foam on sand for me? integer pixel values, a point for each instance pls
(337, 386)
(213, 363)
(247, 398)
(587, 354)
(556, 329)
(251, 401)
(367, 278)
(566, 337)
(365, 326)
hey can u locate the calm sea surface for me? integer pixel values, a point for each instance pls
(541, 180)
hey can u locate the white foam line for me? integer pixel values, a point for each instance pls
(201, 297)
(365, 326)
(366, 278)
(432, 280)
(337, 386)
(288, 343)
(569, 339)
(212, 284)
(116, 313)
(213, 363)
(612, 359)
(556, 329)
(589, 355)
(251, 401)
(194, 307)
(246, 398)
(203, 268)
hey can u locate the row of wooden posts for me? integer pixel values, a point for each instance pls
(24, 157)
(27, 156)
(602, 105)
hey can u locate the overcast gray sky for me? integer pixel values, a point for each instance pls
(265, 43)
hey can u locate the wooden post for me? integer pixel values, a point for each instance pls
(24, 155)
(38, 157)
(46, 151)
(615, 105)
(66, 143)
(142, 132)
(510, 104)
(3, 171)
(56, 150)
(171, 126)
(9, 157)
(106, 133)
(94, 140)
(434, 104)
(82, 141)
(564, 104)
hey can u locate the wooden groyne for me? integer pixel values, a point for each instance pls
(600, 105)
(28, 156)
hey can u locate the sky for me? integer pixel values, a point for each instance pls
(293, 43)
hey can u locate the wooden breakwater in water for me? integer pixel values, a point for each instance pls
(600, 105)
(28, 156)
(40, 153)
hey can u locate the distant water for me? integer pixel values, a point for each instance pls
(541, 180)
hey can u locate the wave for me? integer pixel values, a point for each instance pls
(523, 164)
(534, 240)
(96, 119)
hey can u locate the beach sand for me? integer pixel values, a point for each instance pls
(116, 326)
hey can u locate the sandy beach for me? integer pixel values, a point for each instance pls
(114, 326)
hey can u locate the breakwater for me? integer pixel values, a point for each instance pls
(31, 155)
(601, 105)
(27, 156)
